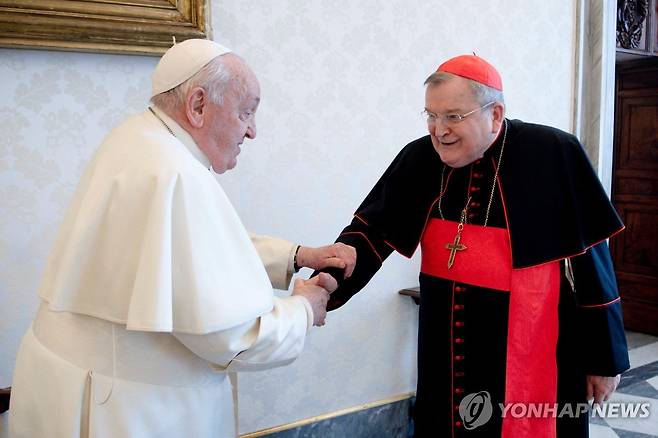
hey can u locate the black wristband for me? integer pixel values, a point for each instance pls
(295, 266)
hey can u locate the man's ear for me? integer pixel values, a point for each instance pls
(498, 114)
(195, 106)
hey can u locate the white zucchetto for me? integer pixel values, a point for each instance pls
(182, 61)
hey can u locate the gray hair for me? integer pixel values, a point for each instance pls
(214, 77)
(483, 94)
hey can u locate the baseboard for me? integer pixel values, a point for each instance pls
(396, 417)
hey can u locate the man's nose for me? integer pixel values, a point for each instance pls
(251, 129)
(437, 128)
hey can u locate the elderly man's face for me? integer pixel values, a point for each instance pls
(227, 125)
(462, 143)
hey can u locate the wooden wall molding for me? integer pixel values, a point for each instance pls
(115, 26)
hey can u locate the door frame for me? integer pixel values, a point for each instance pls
(594, 83)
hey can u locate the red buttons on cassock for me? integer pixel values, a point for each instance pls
(474, 189)
(459, 341)
(474, 204)
(459, 324)
(477, 175)
(458, 423)
(459, 374)
(459, 289)
(459, 390)
(459, 358)
(459, 307)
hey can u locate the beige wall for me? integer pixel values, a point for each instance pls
(342, 93)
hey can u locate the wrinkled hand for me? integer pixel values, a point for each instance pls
(325, 281)
(600, 388)
(337, 255)
(316, 291)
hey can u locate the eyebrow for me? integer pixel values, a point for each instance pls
(250, 104)
(450, 111)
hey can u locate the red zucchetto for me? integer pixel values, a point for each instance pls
(475, 68)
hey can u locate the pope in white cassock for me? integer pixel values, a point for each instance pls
(154, 290)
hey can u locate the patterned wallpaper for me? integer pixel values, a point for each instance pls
(342, 93)
(55, 107)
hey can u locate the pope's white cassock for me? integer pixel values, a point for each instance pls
(153, 292)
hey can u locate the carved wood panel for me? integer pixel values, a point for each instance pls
(635, 192)
(637, 29)
(116, 26)
(632, 23)
(637, 252)
(655, 27)
(638, 148)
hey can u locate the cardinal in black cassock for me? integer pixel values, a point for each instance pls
(518, 297)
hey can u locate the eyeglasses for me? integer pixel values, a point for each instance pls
(452, 119)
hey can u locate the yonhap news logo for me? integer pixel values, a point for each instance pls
(476, 410)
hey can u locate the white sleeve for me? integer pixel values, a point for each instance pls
(272, 340)
(277, 256)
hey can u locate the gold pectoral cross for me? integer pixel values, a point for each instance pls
(455, 246)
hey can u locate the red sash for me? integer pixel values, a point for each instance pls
(531, 370)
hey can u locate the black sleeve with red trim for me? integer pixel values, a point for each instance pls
(598, 324)
(371, 251)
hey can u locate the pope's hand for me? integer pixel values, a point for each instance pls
(325, 281)
(337, 255)
(316, 291)
(600, 388)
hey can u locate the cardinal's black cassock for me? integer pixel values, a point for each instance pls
(529, 306)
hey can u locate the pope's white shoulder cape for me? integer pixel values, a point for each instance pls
(151, 240)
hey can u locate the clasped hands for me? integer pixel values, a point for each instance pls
(317, 289)
(341, 256)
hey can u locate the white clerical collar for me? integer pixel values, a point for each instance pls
(182, 135)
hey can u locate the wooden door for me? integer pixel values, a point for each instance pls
(635, 192)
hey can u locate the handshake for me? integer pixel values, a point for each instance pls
(317, 289)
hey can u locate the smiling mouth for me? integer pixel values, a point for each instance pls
(445, 143)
